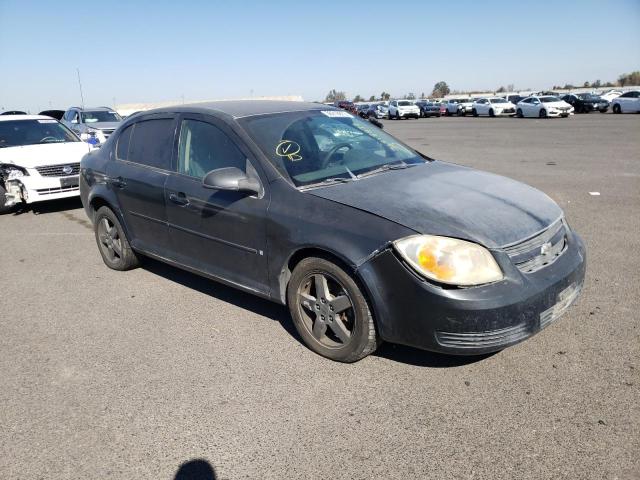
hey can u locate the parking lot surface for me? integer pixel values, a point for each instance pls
(128, 375)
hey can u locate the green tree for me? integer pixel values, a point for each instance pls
(440, 89)
(372, 98)
(385, 96)
(422, 95)
(357, 99)
(596, 84)
(568, 86)
(586, 84)
(334, 96)
(501, 89)
(410, 96)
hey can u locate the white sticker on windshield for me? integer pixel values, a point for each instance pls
(48, 121)
(336, 113)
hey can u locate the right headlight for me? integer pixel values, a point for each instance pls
(449, 260)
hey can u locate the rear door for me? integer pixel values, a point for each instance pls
(221, 233)
(144, 152)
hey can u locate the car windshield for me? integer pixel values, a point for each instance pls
(314, 146)
(15, 133)
(498, 100)
(404, 103)
(100, 116)
(549, 99)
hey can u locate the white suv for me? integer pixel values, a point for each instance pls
(403, 109)
(39, 160)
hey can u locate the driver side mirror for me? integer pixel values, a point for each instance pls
(231, 178)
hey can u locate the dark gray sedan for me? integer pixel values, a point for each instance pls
(362, 237)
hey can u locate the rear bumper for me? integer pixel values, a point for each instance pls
(469, 321)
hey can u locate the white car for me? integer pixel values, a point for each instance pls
(543, 106)
(493, 106)
(39, 160)
(610, 95)
(628, 102)
(403, 109)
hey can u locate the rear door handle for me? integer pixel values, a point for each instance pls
(179, 198)
(117, 182)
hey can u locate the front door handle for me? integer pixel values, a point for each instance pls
(179, 198)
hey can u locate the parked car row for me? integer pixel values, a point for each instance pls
(543, 104)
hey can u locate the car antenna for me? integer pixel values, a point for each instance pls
(80, 85)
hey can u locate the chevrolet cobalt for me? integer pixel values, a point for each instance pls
(363, 238)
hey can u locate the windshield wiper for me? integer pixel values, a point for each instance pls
(386, 167)
(327, 181)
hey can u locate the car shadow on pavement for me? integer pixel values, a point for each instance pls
(52, 206)
(280, 314)
(197, 469)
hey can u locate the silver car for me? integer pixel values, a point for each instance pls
(92, 125)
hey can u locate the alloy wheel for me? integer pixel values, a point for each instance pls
(326, 309)
(110, 240)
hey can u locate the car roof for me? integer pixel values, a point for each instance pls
(92, 109)
(245, 108)
(5, 118)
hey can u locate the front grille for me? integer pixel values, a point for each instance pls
(508, 110)
(491, 338)
(58, 170)
(541, 250)
(49, 191)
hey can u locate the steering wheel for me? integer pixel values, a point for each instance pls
(332, 152)
(48, 139)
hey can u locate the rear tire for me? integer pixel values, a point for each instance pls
(112, 241)
(330, 312)
(616, 108)
(3, 198)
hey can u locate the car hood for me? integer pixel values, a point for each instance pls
(31, 156)
(104, 125)
(439, 198)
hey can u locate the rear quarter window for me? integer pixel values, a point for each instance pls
(122, 149)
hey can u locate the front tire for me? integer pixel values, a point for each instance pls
(330, 311)
(112, 241)
(3, 198)
(519, 113)
(474, 112)
(616, 108)
(543, 113)
(492, 113)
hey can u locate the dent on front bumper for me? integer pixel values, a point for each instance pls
(31, 189)
(412, 311)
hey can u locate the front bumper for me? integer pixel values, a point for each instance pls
(469, 321)
(31, 189)
(409, 114)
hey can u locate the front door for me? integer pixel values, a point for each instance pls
(221, 233)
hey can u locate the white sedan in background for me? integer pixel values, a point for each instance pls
(628, 102)
(39, 160)
(493, 106)
(543, 106)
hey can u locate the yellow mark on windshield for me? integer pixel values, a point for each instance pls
(289, 149)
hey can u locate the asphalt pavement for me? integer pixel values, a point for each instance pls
(112, 375)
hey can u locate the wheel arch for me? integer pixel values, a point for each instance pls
(99, 200)
(327, 254)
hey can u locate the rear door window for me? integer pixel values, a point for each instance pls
(151, 143)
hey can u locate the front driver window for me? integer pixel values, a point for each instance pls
(204, 147)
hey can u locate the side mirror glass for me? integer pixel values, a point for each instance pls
(231, 178)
